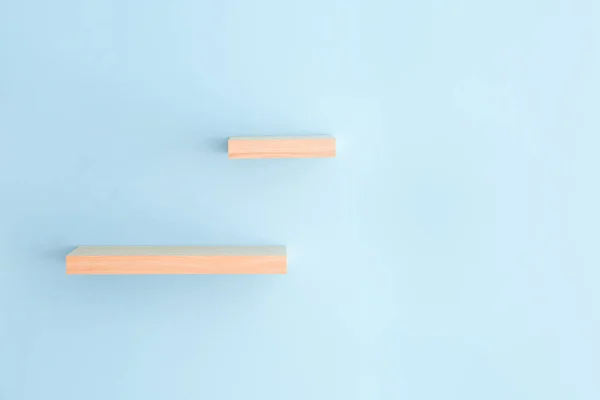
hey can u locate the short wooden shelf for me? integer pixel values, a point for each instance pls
(315, 146)
(177, 260)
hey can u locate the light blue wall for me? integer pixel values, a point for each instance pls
(449, 252)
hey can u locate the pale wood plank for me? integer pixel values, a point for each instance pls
(315, 146)
(177, 260)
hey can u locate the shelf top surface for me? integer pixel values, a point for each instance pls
(115, 251)
(301, 137)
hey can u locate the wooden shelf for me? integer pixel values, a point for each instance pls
(177, 260)
(316, 146)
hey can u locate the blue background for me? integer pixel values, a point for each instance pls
(450, 251)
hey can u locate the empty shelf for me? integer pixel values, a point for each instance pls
(316, 146)
(177, 260)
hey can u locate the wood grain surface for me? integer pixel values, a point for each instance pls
(317, 146)
(177, 260)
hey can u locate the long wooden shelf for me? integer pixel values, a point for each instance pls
(177, 260)
(315, 146)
